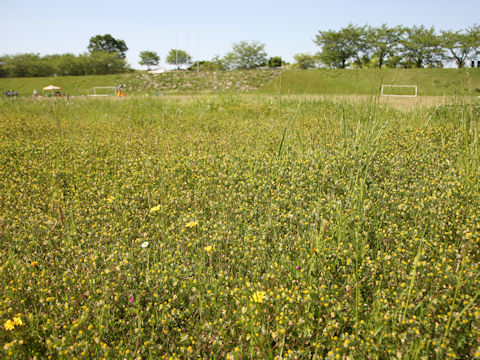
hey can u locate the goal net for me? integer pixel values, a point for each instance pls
(399, 90)
(103, 91)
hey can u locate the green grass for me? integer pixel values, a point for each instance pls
(73, 85)
(142, 83)
(430, 82)
(238, 227)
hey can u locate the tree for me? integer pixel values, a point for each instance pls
(178, 58)
(204, 65)
(27, 65)
(340, 47)
(275, 61)
(102, 63)
(108, 44)
(3, 71)
(395, 61)
(64, 64)
(421, 47)
(460, 45)
(219, 62)
(149, 58)
(474, 33)
(32, 65)
(382, 43)
(245, 55)
(305, 61)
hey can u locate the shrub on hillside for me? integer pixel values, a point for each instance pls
(275, 61)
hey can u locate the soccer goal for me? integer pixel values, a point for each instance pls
(103, 91)
(399, 90)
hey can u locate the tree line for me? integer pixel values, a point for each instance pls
(399, 46)
(351, 46)
(362, 47)
(106, 55)
(244, 55)
(33, 65)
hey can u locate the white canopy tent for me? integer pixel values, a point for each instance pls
(52, 88)
(156, 71)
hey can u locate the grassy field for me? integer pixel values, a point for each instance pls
(430, 82)
(239, 227)
(142, 83)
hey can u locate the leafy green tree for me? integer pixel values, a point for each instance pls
(27, 65)
(33, 65)
(341, 47)
(246, 55)
(219, 62)
(421, 47)
(66, 64)
(366, 61)
(395, 61)
(108, 44)
(275, 61)
(460, 45)
(474, 33)
(204, 65)
(102, 63)
(305, 61)
(149, 58)
(3, 71)
(381, 43)
(178, 58)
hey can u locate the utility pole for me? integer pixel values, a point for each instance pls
(198, 57)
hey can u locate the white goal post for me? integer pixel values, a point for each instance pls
(104, 91)
(399, 86)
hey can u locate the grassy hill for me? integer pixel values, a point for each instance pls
(144, 83)
(432, 82)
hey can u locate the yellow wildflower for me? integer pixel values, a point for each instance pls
(34, 263)
(258, 296)
(155, 209)
(208, 249)
(191, 224)
(8, 345)
(9, 325)
(17, 321)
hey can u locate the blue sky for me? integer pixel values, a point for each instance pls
(286, 27)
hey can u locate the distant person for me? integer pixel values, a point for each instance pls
(7, 93)
(34, 92)
(120, 90)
